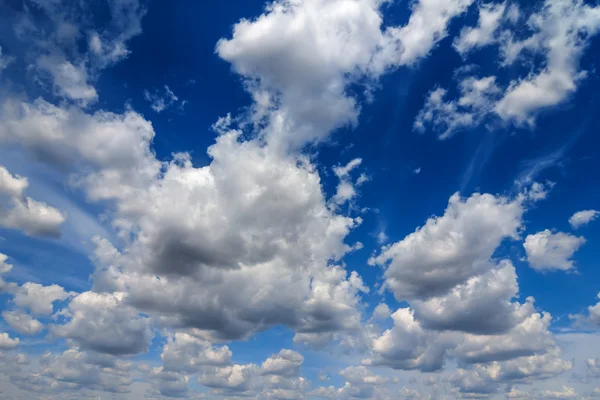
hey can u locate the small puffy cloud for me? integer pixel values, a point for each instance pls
(381, 312)
(490, 16)
(186, 353)
(18, 211)
(4, 266)
(285, 363)
(7, 343)
(547, 251)
(22, 322)
(582, 218)
(91, 315)
(37, 298)
(346, 189)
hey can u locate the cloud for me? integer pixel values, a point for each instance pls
(346, 189)
(5, 61)
(4, 266)
(7, 343)
(582, 218)
(566, 393)
(299, 58)
(186, 353)
(20, 212)
(560, 31)
(450, 249)
(70, 81)
(160, 102)
(475, 102)
(90, 315)
(490, 16)
(22, 322)
(482, 305)
(547, 251)
(37, 298)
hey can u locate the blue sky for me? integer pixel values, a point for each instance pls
(299, 199)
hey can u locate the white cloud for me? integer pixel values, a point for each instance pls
(450, 249)
(561, 32)
(7, 343)
(346, 189)
(69, 80)
(547, 251)
(426, 27)
(91, 315)
(184, 352)
(476, 100)
(566, 393)
(285, 363)
(37, 298)
(18, 211)
(582, 218)
(22, 322)
(299, 57)
(481, 305)
(4, 266)
(490, 16)
(160, 102)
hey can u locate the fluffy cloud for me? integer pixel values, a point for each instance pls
(482, 305)
(4, 266)
(547, 251)
(490, 16)
(582, 218)
(184, 352)
(300, 56)
(37, 298)
(285, 363)
(69, 80)
(7, 343)
(22, 322)
(560, 31)
(18, 211)
(91, 315)
(450, 249)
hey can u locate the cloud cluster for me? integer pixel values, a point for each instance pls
(559, 33)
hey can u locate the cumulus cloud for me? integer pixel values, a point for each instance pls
(4, 266)
(300, 56)
(184, 352)
(18, 211)
(38, 299)
(547, 251)
(490, 16)
(8, 343)
(582, 218)
(22, 322)
(560, 31)
(450, 249)
(91, 315)
(481, 305)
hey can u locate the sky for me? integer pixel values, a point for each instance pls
(299, 199)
